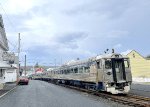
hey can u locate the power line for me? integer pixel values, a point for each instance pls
(13, 45)
(12, 25)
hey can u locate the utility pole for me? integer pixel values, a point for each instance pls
(19, 52)
(55, 63)
(25, 66)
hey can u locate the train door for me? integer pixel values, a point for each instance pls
(100, 74)
(99, 70)
(118, 70)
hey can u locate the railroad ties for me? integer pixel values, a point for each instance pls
(129, 99)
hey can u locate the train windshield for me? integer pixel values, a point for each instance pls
(118, 65)
(108, 64)
(126, 63)
(118, 69)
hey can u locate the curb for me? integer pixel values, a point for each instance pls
(8, 92)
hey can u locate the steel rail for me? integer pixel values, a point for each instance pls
(130, 100)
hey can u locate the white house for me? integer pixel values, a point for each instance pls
(10, 75)
(3, 47)
(5, 65)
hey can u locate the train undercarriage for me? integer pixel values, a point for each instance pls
(113, 88)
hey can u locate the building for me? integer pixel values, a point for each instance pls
(7, 59)
(3, 47)
(10, 73)
(140, 66)
(3, 40)
(29, 70)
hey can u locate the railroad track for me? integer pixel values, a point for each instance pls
(130, 99)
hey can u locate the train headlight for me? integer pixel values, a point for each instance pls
(107, 85)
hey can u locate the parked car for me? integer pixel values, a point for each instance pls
(23, 80)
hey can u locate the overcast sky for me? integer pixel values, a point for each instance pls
(70, 29)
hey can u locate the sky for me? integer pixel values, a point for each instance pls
(62, 30)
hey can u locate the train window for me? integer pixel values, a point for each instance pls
(81, 70)
(69, 71)
(87, 69)
(108, 64)
(98, 65)
(76, 70)
(126, 63)
(92, 63)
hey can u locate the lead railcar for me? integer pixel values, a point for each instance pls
(108, 72)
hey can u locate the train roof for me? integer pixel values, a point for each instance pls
(77, 62)
(89, 60)
(112, 55)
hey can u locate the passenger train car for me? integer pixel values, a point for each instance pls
(108, 72)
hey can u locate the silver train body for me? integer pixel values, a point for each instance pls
(109, 72)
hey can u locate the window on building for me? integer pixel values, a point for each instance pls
(1, 72)
(1, 25)
(133, 55)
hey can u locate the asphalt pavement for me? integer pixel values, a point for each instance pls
(43, 94)
(140, 89)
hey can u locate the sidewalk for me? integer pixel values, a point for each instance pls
(7, 87)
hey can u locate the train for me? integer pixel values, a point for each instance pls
(108, 72)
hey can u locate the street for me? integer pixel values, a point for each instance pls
(140, 89)
(43, 94)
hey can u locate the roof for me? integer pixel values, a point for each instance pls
(79, 62)
(49, 69)
(4, 65)
(127, 52)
